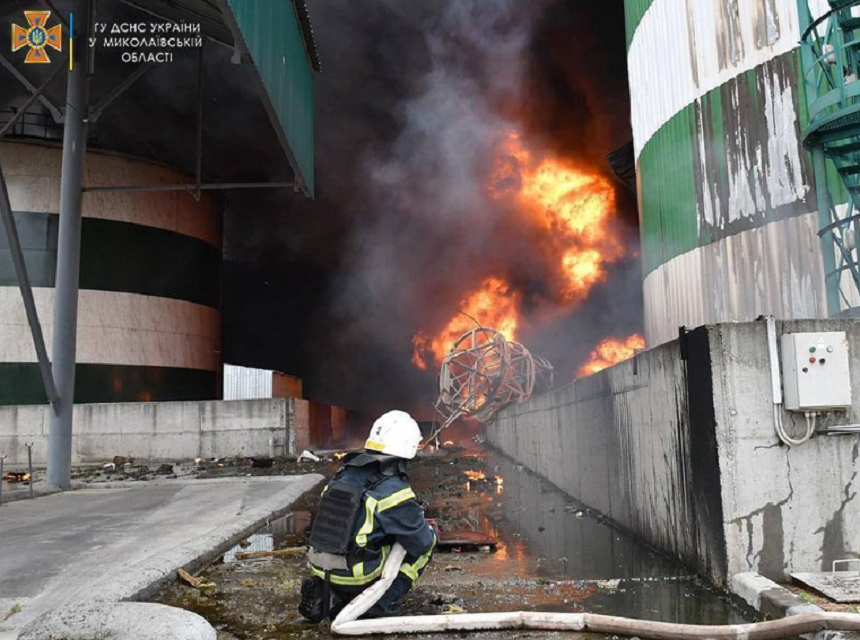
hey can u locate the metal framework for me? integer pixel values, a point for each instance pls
(483, 373)
(831, 68)
(58, 373)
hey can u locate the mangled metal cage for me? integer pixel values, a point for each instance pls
(484, 372)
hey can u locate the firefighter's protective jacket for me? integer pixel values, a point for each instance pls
(390, 513)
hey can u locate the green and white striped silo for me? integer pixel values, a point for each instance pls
(730, 212)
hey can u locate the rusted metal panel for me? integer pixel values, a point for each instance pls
(320, 424)
(284, 386)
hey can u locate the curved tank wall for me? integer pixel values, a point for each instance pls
(149, 321)
(727, 200)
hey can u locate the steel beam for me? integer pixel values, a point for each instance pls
(191, 188)
(58, 117)
(122, 87)
(48, 4)
(22, 111)
(69, 249)
(198, 165)
(26, 291)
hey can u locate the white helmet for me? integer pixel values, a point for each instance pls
(396, 434)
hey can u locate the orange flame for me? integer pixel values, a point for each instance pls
(492, 305)
(609, 352)
(571, 209)
(572, 206)
(475, 475)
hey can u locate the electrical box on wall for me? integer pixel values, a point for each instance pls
(815, 373)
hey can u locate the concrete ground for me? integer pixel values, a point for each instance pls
(98, 546)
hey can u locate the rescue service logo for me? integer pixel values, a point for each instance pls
(37, 36)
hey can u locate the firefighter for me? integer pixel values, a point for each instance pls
(366, 508)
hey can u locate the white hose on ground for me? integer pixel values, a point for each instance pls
(348, 624)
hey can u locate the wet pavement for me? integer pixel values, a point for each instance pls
(552, 554)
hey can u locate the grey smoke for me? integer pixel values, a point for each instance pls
(411, 98)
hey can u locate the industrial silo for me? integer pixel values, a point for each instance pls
(149, 320)
(734, 212)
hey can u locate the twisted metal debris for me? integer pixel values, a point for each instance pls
(483, 373)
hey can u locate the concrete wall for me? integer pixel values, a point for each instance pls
(164, 430)
(678, 446)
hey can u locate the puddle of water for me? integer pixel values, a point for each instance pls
(582, 559)
(552, 555)
(290, 530)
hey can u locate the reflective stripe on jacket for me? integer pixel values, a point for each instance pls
(390, 513)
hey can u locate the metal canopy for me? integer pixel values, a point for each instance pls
(205, 12)
(264, 33)
(274, 36)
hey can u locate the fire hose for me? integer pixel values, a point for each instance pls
(348, 624)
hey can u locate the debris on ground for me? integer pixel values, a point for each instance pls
(309, 455)
(452, 608)
(558, 570)
(197, 583)
(15, 477)
(277, 553)
(608, 585)
(260, 463)
(441, 599)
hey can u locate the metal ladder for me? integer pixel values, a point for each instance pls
(831, 68)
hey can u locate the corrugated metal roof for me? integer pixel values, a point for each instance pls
(308, 33)
(276, 37)
(269, 34)
(208, 14)
(205, 12)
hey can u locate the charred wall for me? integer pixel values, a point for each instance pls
(623, 442)
(678, 447)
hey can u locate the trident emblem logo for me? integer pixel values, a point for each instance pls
(37, 37)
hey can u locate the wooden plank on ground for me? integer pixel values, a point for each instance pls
(842, 587)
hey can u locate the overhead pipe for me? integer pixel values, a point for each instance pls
(348, 624)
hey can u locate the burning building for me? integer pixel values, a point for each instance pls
(166, 142)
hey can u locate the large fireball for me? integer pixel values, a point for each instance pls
(571, 210)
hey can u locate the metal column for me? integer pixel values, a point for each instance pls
(831, 275)
(69, 249)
